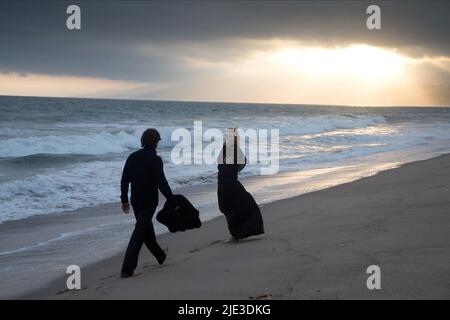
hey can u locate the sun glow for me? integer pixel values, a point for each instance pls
(290, 72)
(357, 61)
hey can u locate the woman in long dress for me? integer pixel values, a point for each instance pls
(239, 207)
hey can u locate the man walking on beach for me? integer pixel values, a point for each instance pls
(144, 170)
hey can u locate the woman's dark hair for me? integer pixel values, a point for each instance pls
(150, 138)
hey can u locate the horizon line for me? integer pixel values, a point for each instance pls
(231, 102)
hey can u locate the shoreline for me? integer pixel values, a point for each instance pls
(37, 230)
(191, 250)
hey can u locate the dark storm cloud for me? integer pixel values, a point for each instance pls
(115, 36)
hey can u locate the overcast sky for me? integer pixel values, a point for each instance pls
(221, 50)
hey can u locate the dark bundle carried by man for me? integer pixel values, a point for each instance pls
(182, 219)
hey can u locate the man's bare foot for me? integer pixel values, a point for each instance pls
(231, 240)
(126, 275)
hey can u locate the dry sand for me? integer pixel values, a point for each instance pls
(317, 245)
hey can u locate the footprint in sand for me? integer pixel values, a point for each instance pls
(109, 277)
(153, 265)
(62, 291)
(70, 291)
(262, 297)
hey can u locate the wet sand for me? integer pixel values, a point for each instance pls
(317, 245)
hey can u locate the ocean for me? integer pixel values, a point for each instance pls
(60, 155)
(64, 154)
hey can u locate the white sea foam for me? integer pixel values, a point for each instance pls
(80, 186)
(98, 143)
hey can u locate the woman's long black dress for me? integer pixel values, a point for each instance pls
(240, 208)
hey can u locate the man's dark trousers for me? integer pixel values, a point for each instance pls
(143, 233)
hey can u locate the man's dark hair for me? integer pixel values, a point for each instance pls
(150, 138)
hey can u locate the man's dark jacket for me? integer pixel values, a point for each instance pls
(144, 170)
(186, 217)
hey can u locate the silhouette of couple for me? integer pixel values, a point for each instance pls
(144, 171)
